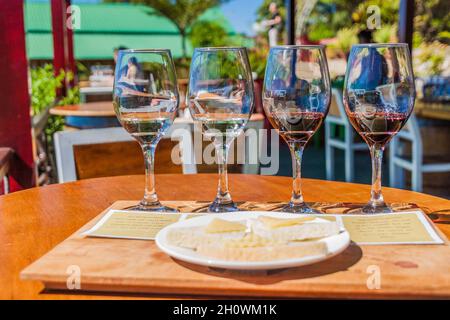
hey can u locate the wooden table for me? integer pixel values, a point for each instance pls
(32, 222)
(90, 109)
(104, 109)
(432, 110)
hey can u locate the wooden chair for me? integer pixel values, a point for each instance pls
(417, 163)
(103, 152)
(338, 117)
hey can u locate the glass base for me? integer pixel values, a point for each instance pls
(298, 208)
(370, 208)
(217, 207)
(158, 207)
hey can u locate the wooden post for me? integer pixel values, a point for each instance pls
(290, 21)
(70, 55)
(62, 40)
(406, 22)
(15, 120)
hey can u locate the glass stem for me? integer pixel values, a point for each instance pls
(376, 152)
(150, 197)
(297, 154)
(223, 195)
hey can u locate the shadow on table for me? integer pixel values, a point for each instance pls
(338, 263)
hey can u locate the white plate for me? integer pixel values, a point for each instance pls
(336, 244)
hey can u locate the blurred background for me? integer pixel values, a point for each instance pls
(65, 51)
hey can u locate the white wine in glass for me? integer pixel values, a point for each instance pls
(146, 102)
(221, 98)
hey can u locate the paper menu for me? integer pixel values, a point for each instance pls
(393, 228)
(132, 224)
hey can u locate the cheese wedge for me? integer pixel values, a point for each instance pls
(273, 223)
(263, 253)
(215, 232)
(309, 230)
(221, 226)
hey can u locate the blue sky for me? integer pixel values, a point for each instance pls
(241, 13)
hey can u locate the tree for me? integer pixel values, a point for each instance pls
(183, 13)
(208, 34)
(432, 20)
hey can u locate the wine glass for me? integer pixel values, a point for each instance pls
(221, 98)
(296, 99)
(379, 97)
(146, 103)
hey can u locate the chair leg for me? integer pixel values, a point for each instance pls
(417, 178)
(6, 184)
(329, 154)
(393, 182)
(416, 172)
(349, 155)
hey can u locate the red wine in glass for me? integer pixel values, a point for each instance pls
(297, 126)
(379, 97)
(296, 99)
(378, 127)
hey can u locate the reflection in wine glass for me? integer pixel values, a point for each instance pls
(221, 98)
(146, 102)
(296, 99)
(379, 97)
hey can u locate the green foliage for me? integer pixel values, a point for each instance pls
(345, 38)
(430, 59)
(319, 32)
(432, 20)
(388, 12)
(208, 34)
(387, 33)
(257, 57)
(82, 71)
(329, 16)
(44, 85)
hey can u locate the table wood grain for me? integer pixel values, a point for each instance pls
(90, 109)
(34, 221)
(106, 109)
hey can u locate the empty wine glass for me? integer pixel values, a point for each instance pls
(146, 103)
(379, 97)
(296, 99)
(221, 98)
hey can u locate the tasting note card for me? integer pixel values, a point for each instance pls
(393, 228)
(132, 224)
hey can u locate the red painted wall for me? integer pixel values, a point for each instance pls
(15, 120)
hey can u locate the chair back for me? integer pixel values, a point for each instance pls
(411, 130)
(93, 153)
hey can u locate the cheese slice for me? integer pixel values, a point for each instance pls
(273, 223)
(263, 253)
(250, 240)
(222, 226)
